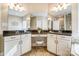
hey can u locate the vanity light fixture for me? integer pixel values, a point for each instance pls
(16, 6)
(60, 6)
(49, 18)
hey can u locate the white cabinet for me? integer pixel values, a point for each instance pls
(17, 45)
(11, 45)
(66, 45)
(26, 43)
(59, 44)
(51, 43)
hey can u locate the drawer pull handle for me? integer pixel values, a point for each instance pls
(13, 37)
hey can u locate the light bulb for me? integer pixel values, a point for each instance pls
(64, 6)
(11, 5)
(21, 9)
(68, 4)
(59, 7)
(16, 8)
(49, 18)
(28, 18)
(55, 9)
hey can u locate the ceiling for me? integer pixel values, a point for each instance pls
(41, 9)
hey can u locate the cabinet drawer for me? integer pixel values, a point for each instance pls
(66, 38)
(23, 36)
(51, 35)
(59, 36)
(17, 37)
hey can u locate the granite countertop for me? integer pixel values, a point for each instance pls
(11, 33)
(67, 33)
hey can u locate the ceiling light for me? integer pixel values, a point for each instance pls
(55, 9)
(60, 6)
(11, 5)
(64, 6)
(49, 18)
(16, 6)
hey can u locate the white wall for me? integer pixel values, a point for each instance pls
(75, 19)
(0, 16)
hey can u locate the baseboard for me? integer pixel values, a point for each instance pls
(53, 53)
(25, 53)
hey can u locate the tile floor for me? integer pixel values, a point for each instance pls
(39, 51)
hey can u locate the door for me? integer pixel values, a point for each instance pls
(51, 44)
(26, 43)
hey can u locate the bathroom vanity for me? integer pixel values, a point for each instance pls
(16, 43)
(59, 43)
(39, 39)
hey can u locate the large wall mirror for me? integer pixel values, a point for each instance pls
(18, 18)
(61, 17)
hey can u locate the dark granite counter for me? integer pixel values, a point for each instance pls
(36, 32)
(11, 33)
(63, 32)
(67, 33)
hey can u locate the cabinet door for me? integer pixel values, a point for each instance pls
(26, 45)
(11, 46)
(59, 45)
(51, 45)
(67, 46)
